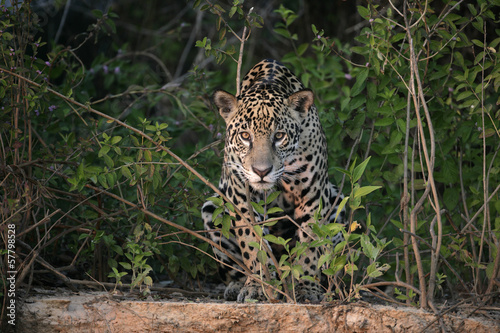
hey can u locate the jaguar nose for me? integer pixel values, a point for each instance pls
(262, 172)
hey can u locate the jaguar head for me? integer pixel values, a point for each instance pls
(262, 133)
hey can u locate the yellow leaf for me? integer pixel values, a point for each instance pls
(355, 225)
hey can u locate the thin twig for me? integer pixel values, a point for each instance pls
(480, 209)
(42, 221)
(240, 57)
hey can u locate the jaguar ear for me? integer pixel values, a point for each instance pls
(301, 101)
(226, 103)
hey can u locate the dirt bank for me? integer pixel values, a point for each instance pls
(100, 312)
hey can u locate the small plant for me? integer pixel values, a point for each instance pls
(138, 250)
(408, 297)
(345, 255)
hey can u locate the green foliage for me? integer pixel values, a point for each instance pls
(91, 179)
(138, 250)
(460, 90)
(249, 20)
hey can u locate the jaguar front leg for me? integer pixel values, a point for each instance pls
(307, 290)
(255, 286)
(231, 272)
(240, 286)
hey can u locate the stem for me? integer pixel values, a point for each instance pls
(429, 160)
(240, 57)
(469, 222)
(418, 205)
(405, 199)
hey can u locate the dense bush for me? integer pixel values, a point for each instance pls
(91, 183)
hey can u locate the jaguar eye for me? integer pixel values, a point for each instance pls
(245, 136)
(278, 136)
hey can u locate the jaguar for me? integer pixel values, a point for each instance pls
(274, 142)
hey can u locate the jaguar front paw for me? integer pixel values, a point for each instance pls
(309, 292)
(251, 291)
(233, 290)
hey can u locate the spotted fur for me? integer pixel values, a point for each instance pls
(274, 141)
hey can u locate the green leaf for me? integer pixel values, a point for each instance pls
(478, 43)
(258, 208)
(302, 48)
(344, 171)
(135, 141)
(340, 207)
(201, 43)
(479, 57)
(271, 197)
(126, 265)
(262, 256)
(371, 88)
(314, 29)
(464, 95)
(360, 82)
(216, 200)
(226, 226)
(356, 103)
(451, 197)
(350, 268)
(148, 281)
(229, 206)
(156, 180)
(258, 230)
(369, 249)
(384, 122)
(216, 213)
(254, 245)
(365, 190)
(324, 258)
(283, 32)
(232, 11)
(282, 261)
(273, 239)
(108, 161)
(358, 171)
(397, 223)
(79, 171)
(148, 156)
(297, 271)
(103, 181)
(344, 103)
(111, 179)
(472, 9)
(274, 210)
(364, 12)
(97, 13)
(115, 140)
(377, 270)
